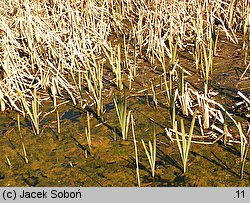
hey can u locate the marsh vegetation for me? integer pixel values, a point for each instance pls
(102, 93)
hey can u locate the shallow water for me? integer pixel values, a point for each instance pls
(66, 160)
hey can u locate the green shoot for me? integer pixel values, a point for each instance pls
(185, 147)
(151, 153)
(123, 116)
(94, 77)
(33, 112)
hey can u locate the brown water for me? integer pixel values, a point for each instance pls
(60, 159)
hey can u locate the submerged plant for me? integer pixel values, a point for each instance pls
(122, 114)
(186, 143)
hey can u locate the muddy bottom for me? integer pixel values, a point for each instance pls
(65, 160)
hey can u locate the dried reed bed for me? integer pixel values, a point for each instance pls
(44, 42)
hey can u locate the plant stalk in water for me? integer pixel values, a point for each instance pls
(87, 132)
(123, 116)
(58, 122)
(243, 150)
(154, 96)
(34, 111)
(136, 151)
(94, 77)
(23, 146)
(185, 146)
(151, 153)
